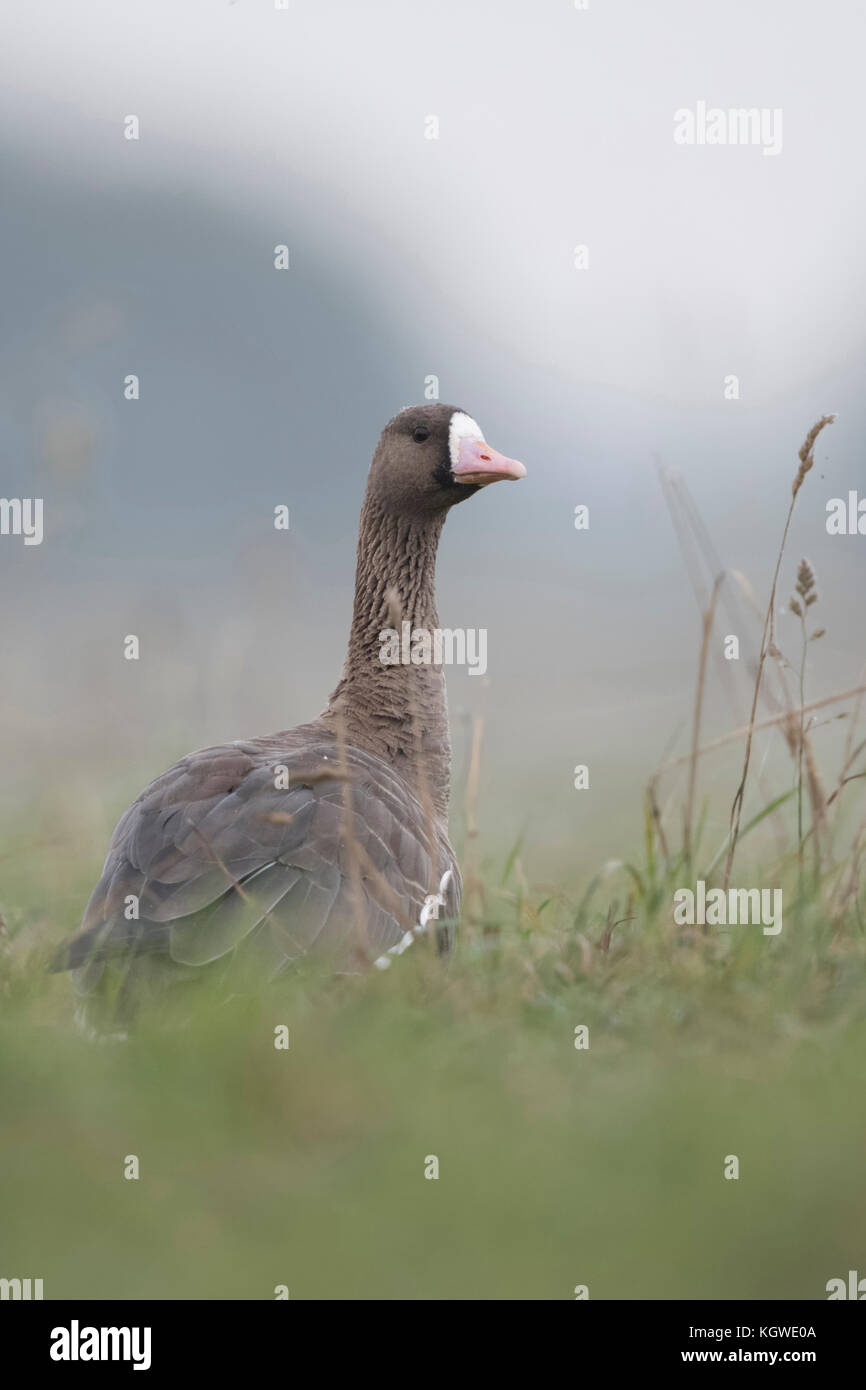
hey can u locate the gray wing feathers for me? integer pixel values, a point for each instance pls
(216, 856)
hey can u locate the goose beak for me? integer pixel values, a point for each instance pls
(479, 464)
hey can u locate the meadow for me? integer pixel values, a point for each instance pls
(583, 1069)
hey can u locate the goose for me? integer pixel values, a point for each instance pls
(329, 839)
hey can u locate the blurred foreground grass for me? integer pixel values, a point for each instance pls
(558, 1166)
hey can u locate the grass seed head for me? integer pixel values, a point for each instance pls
(807, 456)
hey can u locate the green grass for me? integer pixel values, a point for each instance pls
(558, 1166)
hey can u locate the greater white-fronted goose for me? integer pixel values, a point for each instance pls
(330, 838)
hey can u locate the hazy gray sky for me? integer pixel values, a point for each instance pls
(556, 129)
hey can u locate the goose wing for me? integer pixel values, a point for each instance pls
(286, 844)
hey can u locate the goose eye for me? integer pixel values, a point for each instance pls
(420, 433)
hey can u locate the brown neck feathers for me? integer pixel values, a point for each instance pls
(396, 710)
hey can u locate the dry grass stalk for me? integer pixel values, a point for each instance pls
(770, 723)
(806, 593)
(472, 884)
(807, 459)
(850, 884)
(656, 817)
(309, 777)
(353, 844)
(790, 723)
(707, 621)
(702, 564)
(236, 884)
(850, 753)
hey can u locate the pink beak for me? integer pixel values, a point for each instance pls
(478, 463)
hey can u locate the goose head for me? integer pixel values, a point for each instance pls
(430, 457)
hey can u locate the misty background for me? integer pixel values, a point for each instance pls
(412, 257)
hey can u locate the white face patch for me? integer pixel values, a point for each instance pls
(462, 426)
